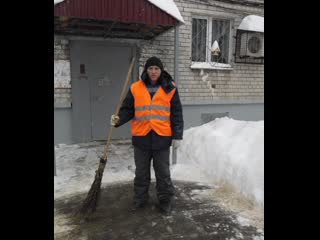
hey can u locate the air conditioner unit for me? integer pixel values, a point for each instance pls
(252, 45)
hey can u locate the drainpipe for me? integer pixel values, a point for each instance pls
(55, 168)
(176, 53)
(176, 76)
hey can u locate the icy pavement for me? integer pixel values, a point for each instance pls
(196, 214)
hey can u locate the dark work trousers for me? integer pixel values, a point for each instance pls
(161, 163)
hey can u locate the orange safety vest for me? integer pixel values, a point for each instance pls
(151, 113)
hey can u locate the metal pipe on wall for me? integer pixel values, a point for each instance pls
(55, 167)
(176, 54)
(176, 76)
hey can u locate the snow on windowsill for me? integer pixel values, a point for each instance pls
(208, 65)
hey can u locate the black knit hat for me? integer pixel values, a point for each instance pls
(153, 61)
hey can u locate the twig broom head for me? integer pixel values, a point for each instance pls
(90, 203)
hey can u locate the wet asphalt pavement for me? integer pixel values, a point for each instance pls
(191, 218)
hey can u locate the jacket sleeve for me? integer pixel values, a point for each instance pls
(176, 117)
(126, 112)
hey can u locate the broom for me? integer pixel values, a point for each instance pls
(90, 203)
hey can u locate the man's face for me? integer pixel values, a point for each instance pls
(154, 73)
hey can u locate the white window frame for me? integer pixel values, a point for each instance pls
(208, 64)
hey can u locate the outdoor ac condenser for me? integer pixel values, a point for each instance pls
(252, 45)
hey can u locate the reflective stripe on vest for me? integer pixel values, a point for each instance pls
(151, 113)
(149, 107)
(152, 116)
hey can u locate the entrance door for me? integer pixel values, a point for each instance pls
(98, 71)
(107, 70)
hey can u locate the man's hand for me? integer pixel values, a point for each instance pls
(114, 120)
(176, 143)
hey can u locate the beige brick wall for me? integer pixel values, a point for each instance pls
(163, 47)
(243, 82)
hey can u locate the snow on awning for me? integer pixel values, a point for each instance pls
(57, 1)
(169, 7)
(252, 23)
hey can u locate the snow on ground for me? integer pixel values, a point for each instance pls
(224, 150)
(76, 165)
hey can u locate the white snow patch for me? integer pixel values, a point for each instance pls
(210, 65)
(243, 221)
(258, 238)
(189, 172)
(252, 23)
(57, 1)
(76, 167)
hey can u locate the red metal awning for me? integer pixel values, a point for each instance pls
(124, 11)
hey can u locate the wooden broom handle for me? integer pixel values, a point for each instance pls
(119, 105)
(125, 86)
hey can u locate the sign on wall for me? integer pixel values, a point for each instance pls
(62, 75)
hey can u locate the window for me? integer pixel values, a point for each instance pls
(204, 32)
(199, 40)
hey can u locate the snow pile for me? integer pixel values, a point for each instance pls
(224, 150)
(252, 23)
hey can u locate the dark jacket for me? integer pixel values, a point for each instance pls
(153, 141)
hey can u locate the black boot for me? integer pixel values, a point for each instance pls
(165, 207)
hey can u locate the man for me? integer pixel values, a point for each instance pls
(154, 106)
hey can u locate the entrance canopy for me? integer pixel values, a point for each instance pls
(134, 19)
